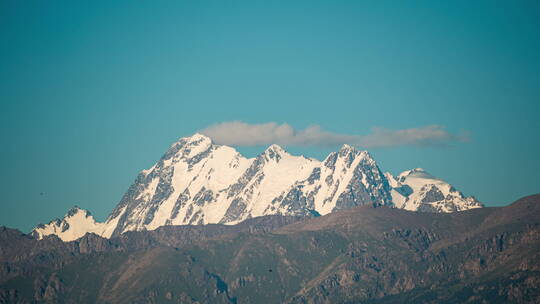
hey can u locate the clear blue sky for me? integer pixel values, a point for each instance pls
(92, 92)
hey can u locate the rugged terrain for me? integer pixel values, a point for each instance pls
(199, 182)
(364, 254)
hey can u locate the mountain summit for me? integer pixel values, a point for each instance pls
(198, 182)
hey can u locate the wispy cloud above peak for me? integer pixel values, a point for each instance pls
(237, 133)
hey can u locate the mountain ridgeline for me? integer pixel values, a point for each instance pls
(198, 182)
(362, 254)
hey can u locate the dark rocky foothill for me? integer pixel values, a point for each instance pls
(364, 254)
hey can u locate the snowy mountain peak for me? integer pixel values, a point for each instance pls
(196, 147)
(276, 149)
(76, 209)
(352, 150)
(197, 137)
(275, 152)
(198, 182)
(349, 154)
(75, 224)
(419, 190)
(195, 140)
(346, 147)
(415, 173)
(412, 171)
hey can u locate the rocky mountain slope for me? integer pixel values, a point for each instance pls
(199, 182)
(360, 254)
(22, 254)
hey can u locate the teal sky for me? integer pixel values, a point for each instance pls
(93, 92)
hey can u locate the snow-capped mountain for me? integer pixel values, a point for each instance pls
(75, 224)
(420, 191)
(199, 182)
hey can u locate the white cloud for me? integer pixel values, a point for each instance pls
(237, 133)
(433, 135)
